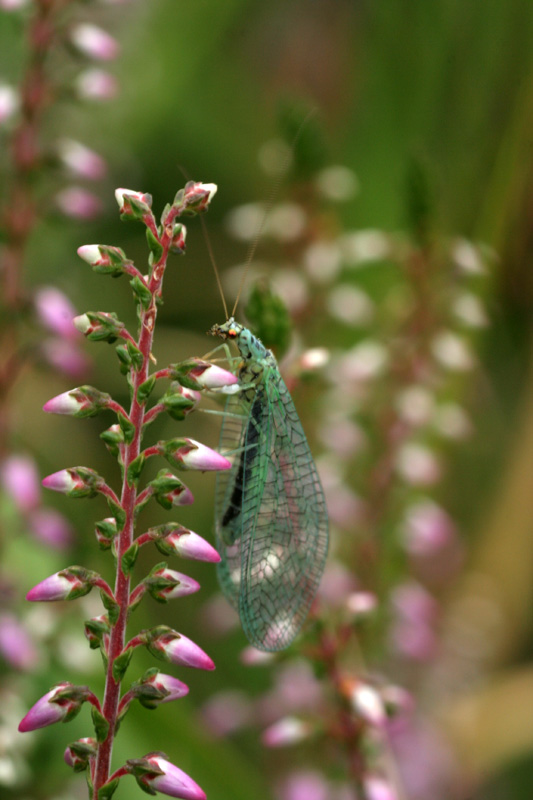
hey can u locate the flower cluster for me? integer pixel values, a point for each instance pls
(154, 772)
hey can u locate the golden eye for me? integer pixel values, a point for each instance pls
(232, 333)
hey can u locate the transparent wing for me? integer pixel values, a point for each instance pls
(228, 484)
(284, 524)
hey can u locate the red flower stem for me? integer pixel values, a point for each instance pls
(124, 334)
(137, 593)
(153, 413)
(105, 587)
(94, 701)
(144, 538)
(162, 373)
(125, 701)
(117, 408)
(129, 500)
(144, 495)
(151, 451)
(107, 491)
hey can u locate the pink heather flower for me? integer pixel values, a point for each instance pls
(72, 756)
(427, 529)
(377, 788)
(13, 5)
(336, 583)
(361, 604)
(180, 650)
(213, 377)
(55, 311)
(95, 84)
(412, 633)
(287, 731)
(180, 496)
(227, 712)
(188, 544)
(142, 198)
(9, 103)
(81, 161)
(58, 586)
(64, 481)
(190, 454)
(169, 779)
(305, 785)
(51, 528)
(16, 645)
(170, 684)
(66, 357)
(78, 203)
(368, 705)
(20, 479)
(94, 42)
(199, 195)
(66, 403)
(46, 711)
(182, 584)
(251, 657)
(418, 464)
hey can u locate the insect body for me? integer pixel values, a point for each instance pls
(271, 518)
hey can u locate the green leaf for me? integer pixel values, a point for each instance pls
(141, 292)
(108, 790)
(145, 389)
(129, 558)
(269, 318)
(127, 427)
(135, 469)
(154, 244)
(101, 725)
(121, 664)
(112, 608)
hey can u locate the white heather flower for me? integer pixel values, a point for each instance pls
(314, 358)
(94, 42)
(9, 102)
(91, 254)
(337, 183)
(80, 160)
(244, 222)
(363, 362)
(452, 351)
(467, 257)
(285, 222)
(415, 405)
(291, 287)
(95, 84)
(418, 465)
(368, 704)
(350, 305)
(452, 421)
(286, 731)
(469, 310)
(359, 247)
(322, 261)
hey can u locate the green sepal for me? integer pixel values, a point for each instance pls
(146, 789)
(118, 512)
(124, 358)
(136, 356)
(145, 389)
(177, 405)
(269, 318)
(112, 438)
(108, 790)
(112, 608)
(129, 558)
(156, 248)
(121, 664)
(135, 469)
(127, 427)
(84, 751)
(141, 290)
(96, 627)
(101, 725)
(107, 326)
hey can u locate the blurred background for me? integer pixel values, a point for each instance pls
(428, 109)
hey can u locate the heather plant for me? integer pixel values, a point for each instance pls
(119, 533)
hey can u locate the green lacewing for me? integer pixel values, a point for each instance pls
(271, 519)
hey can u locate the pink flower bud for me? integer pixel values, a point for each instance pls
(20, 479)
(190, 454)
(78, 754)
(65, 585)
(167, 584)
(251, 657)
(227, 712)
(13, 5)
(94, 42)
(78, 203)
(197, 196)
(212, 377)
(75, 482)
(167, 685)
(187, 544)
(9, 103)
(178, 649)
(133, 204)
(287, 731)
(95, 84)
(81, 161)
(368, 704)
(179, 236)
(309, 785)
(16, 645)
(84, 401)
(55, 311)
(54, 706)
(66, 357)
(166, 778)
(377, 788)
(51, 528)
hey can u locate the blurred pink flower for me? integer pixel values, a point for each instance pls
(51, 527)
(78, 203)
(55, 311)
(16, 645)
(20, 479)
